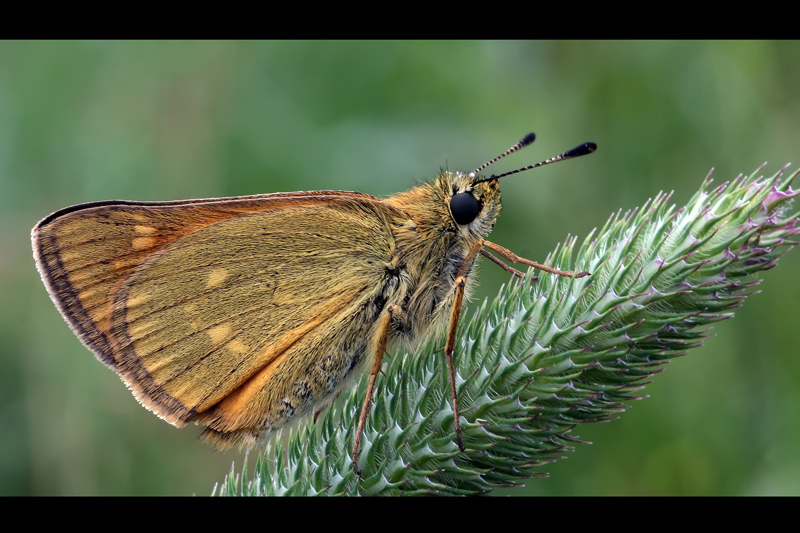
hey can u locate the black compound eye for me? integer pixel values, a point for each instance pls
(464, 207)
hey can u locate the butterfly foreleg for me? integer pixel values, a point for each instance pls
(502, 265)
(511, 256)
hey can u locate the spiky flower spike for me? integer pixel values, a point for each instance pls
(543, 357)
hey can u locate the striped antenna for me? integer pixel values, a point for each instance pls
(584, 149)
(528, 139)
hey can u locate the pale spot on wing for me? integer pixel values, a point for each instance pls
(153, 367)
(141, 328)
(237, 346)
(67, 256)
(137, 300)
(143, 243)
(144, 230)
(216, 277)
(182, 390)
(219, 333)
(83, 295)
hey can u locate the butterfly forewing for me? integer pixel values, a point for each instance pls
(198, 309)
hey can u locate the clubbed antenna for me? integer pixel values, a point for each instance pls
(584, 149)
(528, 139)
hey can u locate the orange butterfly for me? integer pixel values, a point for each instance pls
(244, 313)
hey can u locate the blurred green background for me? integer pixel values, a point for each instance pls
(87, 121)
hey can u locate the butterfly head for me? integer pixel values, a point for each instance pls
(473, 207)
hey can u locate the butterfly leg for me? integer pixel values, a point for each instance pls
(502, 265)
(458, 301)
(382, 337)
(460, 283)
(511, 256)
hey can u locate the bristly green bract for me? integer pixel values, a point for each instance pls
(543, 357)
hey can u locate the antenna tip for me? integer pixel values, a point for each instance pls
(585, 148)
(528, 139)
